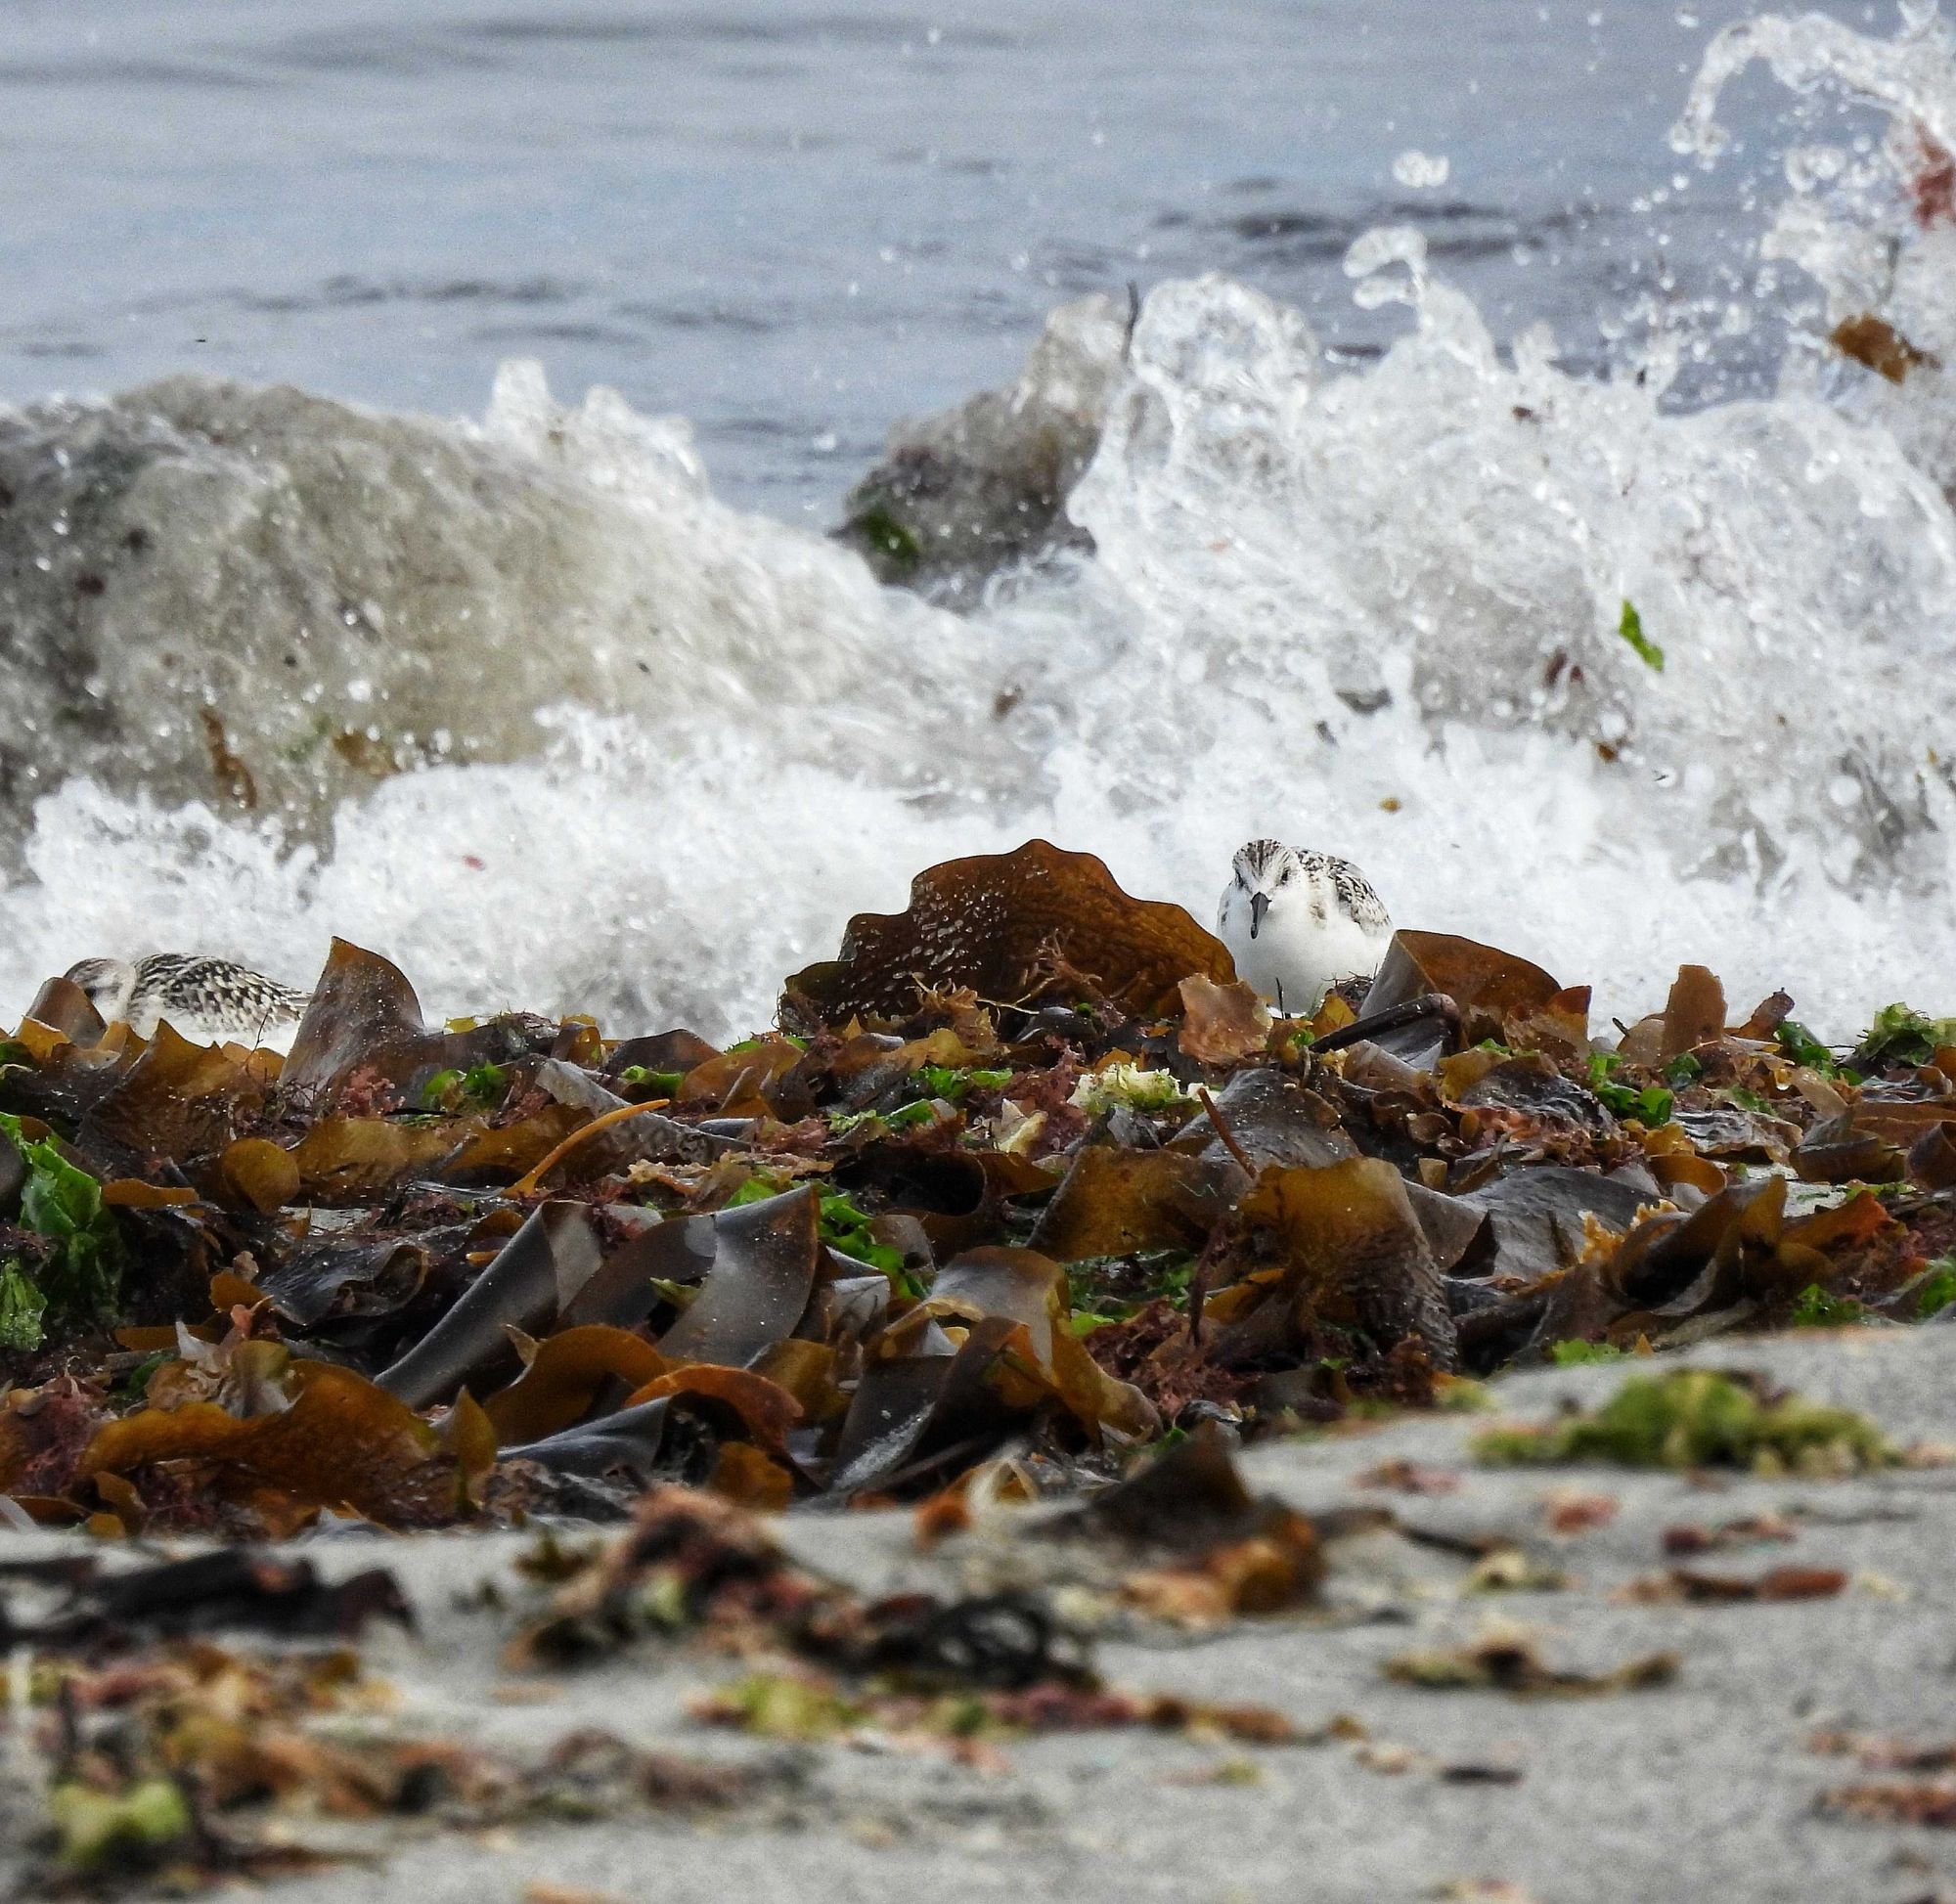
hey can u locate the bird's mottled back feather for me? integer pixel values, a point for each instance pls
(1354, 891)
(214, 988)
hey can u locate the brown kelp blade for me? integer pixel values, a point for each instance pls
(62, 1006)
(178, 1100)
(766, 1258)
(1222, 1024)
(1272, 1118)
(1030, 1290)
(365, 1017)
(335, 1277)
(1537, 1220)
(1355, 1257)
(1114, 1202)
(566, 1377)
(996, 923)
(533, 1279)
(342, 1442)
(909, 1409)
(1499, 995)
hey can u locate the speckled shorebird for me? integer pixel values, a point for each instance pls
(1298, 924)
(207, 1001)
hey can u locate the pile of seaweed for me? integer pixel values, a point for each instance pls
(1024, 1181)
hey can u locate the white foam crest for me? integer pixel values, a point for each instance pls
(1910, 74)
(1479, 529)
(1456, 538)
(592, 880)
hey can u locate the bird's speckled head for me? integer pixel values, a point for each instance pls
(108, 983)
(1263, 866)
(1316, 885)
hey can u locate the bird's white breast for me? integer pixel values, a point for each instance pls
(1296, 957)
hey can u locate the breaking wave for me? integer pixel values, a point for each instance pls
(525, 707)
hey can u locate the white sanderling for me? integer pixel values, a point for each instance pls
(207, 1001)
(1298, 924)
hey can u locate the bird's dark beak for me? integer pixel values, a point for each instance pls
(1260, 904)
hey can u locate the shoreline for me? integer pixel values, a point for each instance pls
(1393, 1791)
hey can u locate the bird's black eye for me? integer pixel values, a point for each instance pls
(1286, 876)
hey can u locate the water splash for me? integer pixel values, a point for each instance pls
(1910, 74)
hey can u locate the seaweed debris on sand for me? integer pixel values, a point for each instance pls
(1022, 1184)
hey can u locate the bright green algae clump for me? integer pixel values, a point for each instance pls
(97, 1830)
(83, 1276)
(1694, 1418)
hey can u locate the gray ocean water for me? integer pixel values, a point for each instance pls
(794, 221)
